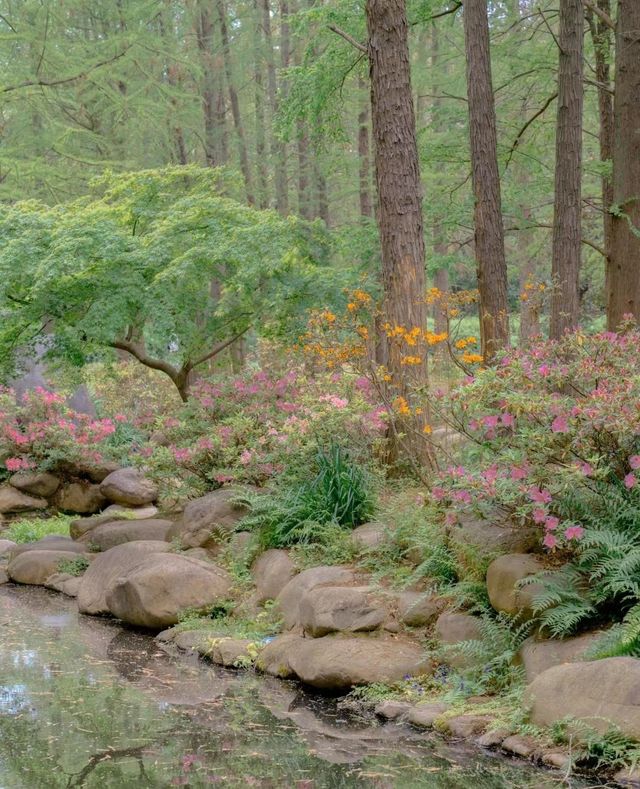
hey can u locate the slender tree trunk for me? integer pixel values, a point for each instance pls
(260, 117)
(364, 155)
(322, 191)
(567, 214)
(216, 149)
(624, 280)
(601, 37)
(235, 104)
(282, 179)
(172, 77)
(489, 230)
(399, 189)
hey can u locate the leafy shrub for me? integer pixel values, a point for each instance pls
(75, 566)
(338, 495)
(32, 529)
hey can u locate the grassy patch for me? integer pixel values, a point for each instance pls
(32, 529)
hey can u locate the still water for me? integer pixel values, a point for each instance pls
(84, 703)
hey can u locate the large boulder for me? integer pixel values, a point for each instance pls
(6, 547)
(274, 656)
(34, 567)
(601, 693)
(65, 583)
(156, 591)
(82, 498)
(329, 609)
(108, 535)
(289, 599)
(114, 512)
(52, 542)
(13, 500)
(337, 663)
(369, 535)
(418, 609)
(495, 535)
(503, 578)
(538, 655)
(106, 567)
(207, 519)
(42, 484)
(271, 572)
(454, 628)
(129, 486)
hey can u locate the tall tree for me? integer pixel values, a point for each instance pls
(488, 227)
(399, 186)
(624, 279)
(364, 156)
(567, 211)
(216, 149)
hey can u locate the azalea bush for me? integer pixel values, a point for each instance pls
(40, 432)
(546, 428)
(256, 427)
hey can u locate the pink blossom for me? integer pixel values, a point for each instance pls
(490, 475)
(120, 418)
(462, 496)
(18, 464)
(539, 516)
(246, 457)
(550, 541)
(438, 493)
(634, 461)
(544, 370)
(586, 469)
(560, 425)
(490, 421)
(508, 420)
(574, 532)
(630, 480)
(551, 522)
(518, 472)
(539, 496)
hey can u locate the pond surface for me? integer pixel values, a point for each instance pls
(84, 703)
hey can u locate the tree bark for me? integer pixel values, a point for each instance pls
(624, 280)
(567, 214)
(260, 116)
(399, 189)
(601, 37)
(489, 231)
(216, 149)
(364, 155)
(235, 104)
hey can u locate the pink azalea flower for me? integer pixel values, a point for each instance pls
(508, 420)
(630, 480)
(517, 472)
(246, 457)
(544, 369)
(574, 532)
(634, 461)
(491, 421)
(539, 516)
(550, 541)
(586, 469)
(539, 496)
(438, 493)
(551, 522)
(560, 425)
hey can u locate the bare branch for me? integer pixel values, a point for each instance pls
(148, 361)
(349, 38)
(218, 348)
(602, 15)
(528, 123)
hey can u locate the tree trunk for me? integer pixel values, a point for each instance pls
(399, 191)
(364, 155)
(235, 104)
(260, 117)
(489, 231)
(601, 37)
(624, 280)
(567, 214)
(213, 108)
(322, 192)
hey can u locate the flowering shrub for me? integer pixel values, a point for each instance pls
(255, 427)
(41, 432)
(548, 424)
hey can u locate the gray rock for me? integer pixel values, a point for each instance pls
(108, 535)
(369, 535)
(537, 655)
(329, 609)
(229, 651)
(83, 498)
(392, 710)
(207, 519)
(493, 738)
(52, 542)
(274, 657)
(4, 578)
(6, 547)
(503, 577)
(467, 726)
(288, 601)
(155, 592)
(425, 715)
(130, 487)
(107, 567)
(34, 483)
(114, 512)
(13, 500)
(455, 628)
(34, 567)
(496, 535)
(271, 572)
(601, 693)
(521, 745)
(418, 609)
(64, 583)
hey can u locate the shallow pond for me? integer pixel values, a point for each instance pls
(84, 703)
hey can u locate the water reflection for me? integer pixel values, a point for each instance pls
(86, 704)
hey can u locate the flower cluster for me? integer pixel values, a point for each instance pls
(548, 423)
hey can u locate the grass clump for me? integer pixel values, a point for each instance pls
(75, 566)
(32, 529)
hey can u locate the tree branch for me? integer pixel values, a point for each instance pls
(349, 38)
(602, 15)
(148, 361)
(42, 83)
(218, 348)
(528, 123)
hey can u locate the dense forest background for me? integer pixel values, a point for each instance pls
(269, 90)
